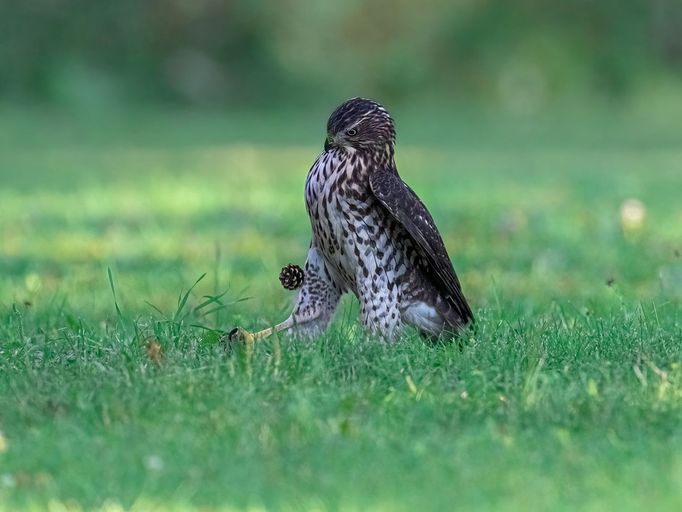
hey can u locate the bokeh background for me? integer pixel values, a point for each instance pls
(521, 56)
(165, 139)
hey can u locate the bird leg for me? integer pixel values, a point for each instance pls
(244, 336)
(315, 304)
(291, 277)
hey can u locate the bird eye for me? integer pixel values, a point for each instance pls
(351, 132)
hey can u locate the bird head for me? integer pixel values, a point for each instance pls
(360, 123)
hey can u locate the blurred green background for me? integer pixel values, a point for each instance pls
(522, 55)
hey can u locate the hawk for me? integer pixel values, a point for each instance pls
(372, 236)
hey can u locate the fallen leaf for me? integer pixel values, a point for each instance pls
(153, 349)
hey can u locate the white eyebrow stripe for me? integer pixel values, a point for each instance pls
(358, 122)
(365, 116)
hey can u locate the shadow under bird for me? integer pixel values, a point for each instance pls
(372, 236)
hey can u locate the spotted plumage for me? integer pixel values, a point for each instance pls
(372, 236)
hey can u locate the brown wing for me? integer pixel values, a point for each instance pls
(404, 205)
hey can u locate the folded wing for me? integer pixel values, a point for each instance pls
(404, 205)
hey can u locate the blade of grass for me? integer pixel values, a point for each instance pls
(183, 299)
(113, 292)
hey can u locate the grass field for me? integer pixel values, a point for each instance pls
(567, 397)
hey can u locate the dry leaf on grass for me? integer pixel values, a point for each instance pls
(153, 349)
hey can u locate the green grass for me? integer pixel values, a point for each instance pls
(568, 396)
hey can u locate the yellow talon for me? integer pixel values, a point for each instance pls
(241, 335)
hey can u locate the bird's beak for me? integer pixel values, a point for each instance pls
(330, 142)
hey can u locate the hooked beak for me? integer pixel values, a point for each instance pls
(330, 142)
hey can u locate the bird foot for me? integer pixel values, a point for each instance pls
(240, 335)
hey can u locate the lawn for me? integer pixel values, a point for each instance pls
(116, 394)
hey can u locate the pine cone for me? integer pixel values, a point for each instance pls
(291, 277)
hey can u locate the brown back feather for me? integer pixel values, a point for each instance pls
(406, 207)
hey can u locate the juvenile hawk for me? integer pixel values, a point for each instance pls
(371, 235)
